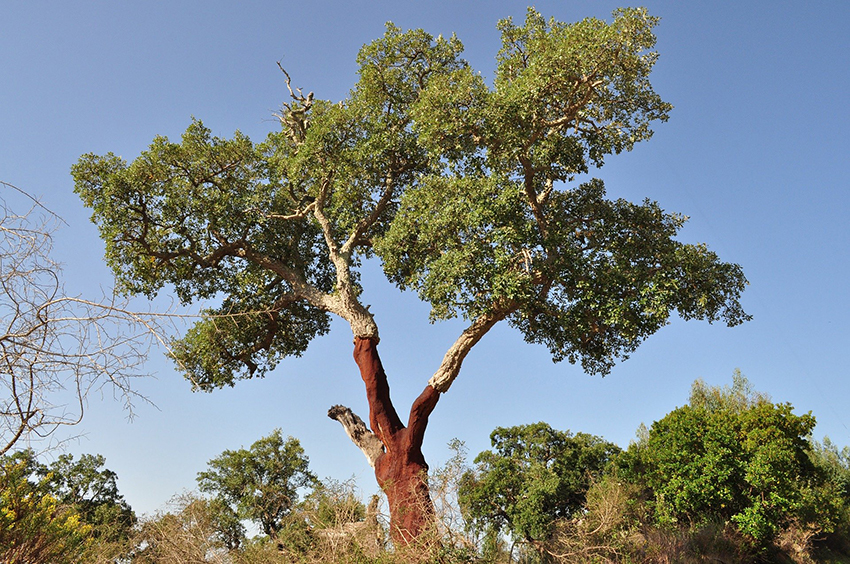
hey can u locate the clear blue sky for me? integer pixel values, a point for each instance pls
(756, 153)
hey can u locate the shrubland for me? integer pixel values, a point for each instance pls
(731, 477)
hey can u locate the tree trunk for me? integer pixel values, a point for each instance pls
(401, 469)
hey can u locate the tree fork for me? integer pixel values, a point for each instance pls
(393, 449)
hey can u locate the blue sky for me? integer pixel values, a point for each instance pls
(755, 152)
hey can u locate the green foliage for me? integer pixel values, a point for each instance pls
(35, 525)
(181, 214)
(835, 464)
(490, 236)
(733, 456)
(534, 476)
(457, 186)
(61, 512)
(260, 484)
(93, 492)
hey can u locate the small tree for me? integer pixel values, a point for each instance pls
(93, 492)
(459, 188)
(261, 483)
(534, 476)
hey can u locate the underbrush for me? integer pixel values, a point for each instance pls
(615, 528)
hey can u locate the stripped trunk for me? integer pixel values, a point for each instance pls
(401, 469)
(393, 449)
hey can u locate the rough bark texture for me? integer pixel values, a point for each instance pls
(401, 469)
(358, 432)
(450, 367)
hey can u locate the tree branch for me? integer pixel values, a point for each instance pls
(383, 418)
(295, 115)
(453, 359)
(365, 223)
(357, 431)
(344, 302)
(531, 195)
(419, 413)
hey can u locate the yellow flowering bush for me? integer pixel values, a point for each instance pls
(35, 527)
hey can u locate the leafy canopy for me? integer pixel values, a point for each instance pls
(260, 484)
(59, 512)
(733, 455)
(533, 476)
(462, 189)
(92, 490)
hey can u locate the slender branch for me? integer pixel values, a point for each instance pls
(295, 116)
(327, 228)
(531, 195)
(300, 287)
(547, 190)
(421, 409)
(34, 200)
(300, 214)
(365, 223)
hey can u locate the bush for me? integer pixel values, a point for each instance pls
(68, 511)
(732, 456)
(35, 527)
(189, 533)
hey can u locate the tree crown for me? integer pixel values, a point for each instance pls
(260, 483)
(456, 186)
(534, 475)
(732, 454)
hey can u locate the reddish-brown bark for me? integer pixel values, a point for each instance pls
(401, 470)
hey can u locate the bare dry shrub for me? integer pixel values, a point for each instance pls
(708, 543)
(795, 541)
(185, 535)
(450, 534)
(335, 528)
(617, 528)
(604, 533)
(56, 349)
(331, 525)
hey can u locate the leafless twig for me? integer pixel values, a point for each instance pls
(56, 349)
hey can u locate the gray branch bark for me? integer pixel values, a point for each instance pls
(358, 432)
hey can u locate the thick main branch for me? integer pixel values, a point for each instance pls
(383, 418)
(453, 359)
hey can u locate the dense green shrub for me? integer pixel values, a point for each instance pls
(731, 455)
(34, 526)
(68, 511)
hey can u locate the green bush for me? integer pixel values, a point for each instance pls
(731, 455)
(68, 511)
